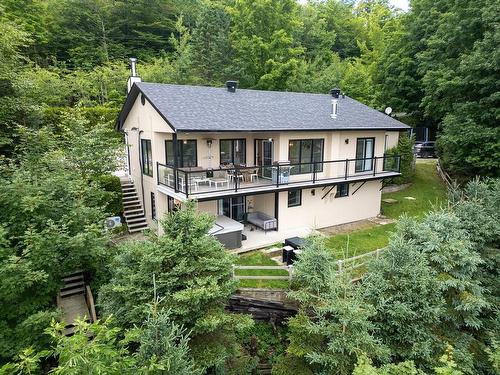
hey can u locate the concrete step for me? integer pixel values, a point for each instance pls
(127, 184)
(129, 195)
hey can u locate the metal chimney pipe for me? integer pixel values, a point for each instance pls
(133, 62)
(335, 102)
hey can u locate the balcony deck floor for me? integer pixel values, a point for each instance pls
(261, 185)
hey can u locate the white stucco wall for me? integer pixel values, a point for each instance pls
(314, 212)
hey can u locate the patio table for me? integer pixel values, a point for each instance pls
(217, 181)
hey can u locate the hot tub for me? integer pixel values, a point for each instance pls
(227, 231)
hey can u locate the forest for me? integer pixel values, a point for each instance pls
(429, 305)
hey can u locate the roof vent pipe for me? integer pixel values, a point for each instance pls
(231, 86)
(134, 78)
(335, 102)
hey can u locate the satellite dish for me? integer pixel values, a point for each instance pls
(388, 111)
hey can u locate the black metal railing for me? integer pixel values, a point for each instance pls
(197, 180)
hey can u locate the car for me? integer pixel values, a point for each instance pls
(425, 149)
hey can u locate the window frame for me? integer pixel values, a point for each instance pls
(180, 152)
(339, 193)
(297, 204)
(304, 169)
(153, 205)
(232, 148)
(357, 169)
(146, 157)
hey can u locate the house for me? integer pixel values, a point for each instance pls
(263, 162)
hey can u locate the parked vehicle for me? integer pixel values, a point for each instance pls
(425, 150)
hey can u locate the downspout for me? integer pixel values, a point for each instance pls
(142, 172)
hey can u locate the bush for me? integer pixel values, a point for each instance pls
(407, 164)
(112, 184)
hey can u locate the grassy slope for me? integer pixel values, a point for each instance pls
(428, 191)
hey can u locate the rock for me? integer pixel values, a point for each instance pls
(389, 200)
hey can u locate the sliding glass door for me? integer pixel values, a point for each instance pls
(264, 156)
(234, 207)
(365, 148)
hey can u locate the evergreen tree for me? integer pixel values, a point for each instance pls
(333, 324)
(212, 52)
(193, 280)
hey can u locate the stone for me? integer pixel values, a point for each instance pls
(389, 200)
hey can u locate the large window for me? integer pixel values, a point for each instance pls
(294, 198)
(306, 152)
(232, 151)
(186, 153)
(147, 157)
(365, 148)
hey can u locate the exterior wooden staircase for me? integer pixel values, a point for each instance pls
(76, 301)
(133, 212)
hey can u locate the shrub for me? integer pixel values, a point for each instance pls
(112, 185)
(407, 163)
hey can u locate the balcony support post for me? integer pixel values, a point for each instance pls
(278, 176)
(176, 162)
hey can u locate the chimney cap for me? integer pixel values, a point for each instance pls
(231, 85)
(335, 93)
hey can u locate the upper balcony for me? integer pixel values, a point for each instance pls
(200, 183)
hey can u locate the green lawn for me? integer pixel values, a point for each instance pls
(428, 191)
(257, 258)
(360, 241)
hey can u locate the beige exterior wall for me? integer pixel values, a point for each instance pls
(314, 212)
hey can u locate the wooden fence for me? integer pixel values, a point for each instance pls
(288, 269)
(444, 176)
(349, 264)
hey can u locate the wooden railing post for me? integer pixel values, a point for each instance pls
(374, 166)
(346, 167)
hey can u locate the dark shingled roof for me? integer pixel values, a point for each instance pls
(201, 108)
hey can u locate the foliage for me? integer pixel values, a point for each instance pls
(185, 249)
(52, 223)
(404, 289)
(407, 162)
(113, 185)
(99, 348)
(333, 324)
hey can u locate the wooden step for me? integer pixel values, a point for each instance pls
(135, 219)
(129, 195)
(72, 285)
(132, 202)
(73, 278)
(74, 273)
(139, 229)
(135, 210)
(137, 224)
(72, 292)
